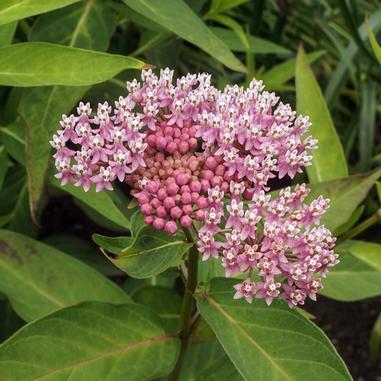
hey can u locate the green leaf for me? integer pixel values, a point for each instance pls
(179, 18)
(101, 202)
(113, 245)
(375, 340)
(373, 41)
(224, 5)
(11, 10)
(338, 77)
(13, 138)
(256, 45)
(25, 64)
(351, 221)
(3, 165)
(234, 26)
(88, 25)
(165, 301)
(7, 32)
(207, 361)
(378, 186)
(9, 320)
(151, 253)
(39, 279)
(358, 275)
(329, 160)
(90, 341)
(268, 343)
(345, 194)
(84, 251)
(280, 74)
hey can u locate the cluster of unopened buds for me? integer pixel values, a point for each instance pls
(177, 145)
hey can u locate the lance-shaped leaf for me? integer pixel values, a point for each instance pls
(87, 25)
(151, 253)
(345, 194)
(179, 18)
(39, 279)
(101, 202)
(7, 32)
(373, 42)
(358, 275)
(90, 341)
(268, 343)
(328, 161)
(11, 10)
(25, 64)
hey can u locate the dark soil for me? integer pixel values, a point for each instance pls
(349, 325)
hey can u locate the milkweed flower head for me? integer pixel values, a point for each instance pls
(173, 142)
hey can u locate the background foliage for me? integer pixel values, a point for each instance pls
(321, 57)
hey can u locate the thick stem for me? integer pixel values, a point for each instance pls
(186, 309)
(374, 218)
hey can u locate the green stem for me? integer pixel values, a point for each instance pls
(186, 308)
(374, 218)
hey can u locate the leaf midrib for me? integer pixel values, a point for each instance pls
(124, 349)
(237, 325)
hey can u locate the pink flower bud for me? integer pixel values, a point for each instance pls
(146, 209)
(151, 140)
(161, 142)
(159, 223)
(161, 212)
(202, 203)
(186, 198)
(187, 209)
(183, 147)
(195, 186)
(169, 203)
(155, 203)
(184, 189)
(171, 227)
(171, 147)
(176, 212)
(149, 220)
(186, 221)
(153, 186)
(220, 170)
(172, 189)
(182, 179)
(161, 194)
(199, 215)
(207, 174)
(211, 163)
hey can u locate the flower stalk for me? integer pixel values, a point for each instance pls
(187, 306)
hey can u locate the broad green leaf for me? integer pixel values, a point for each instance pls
(91, 341)
(14, 210)
(9, 320)
(375, 340)
(39, 279)
(373, 42)
(345, 194)
(25, 64)
(328, 161)
(165, 301)
(113, 245)
(207, 361)
(11, 10)
(358, 275)
(234, 26)
(84, 251)
(224, 5)
(179, 18)
(87, 25)
(13, 138)
(99, 201)
(378, 186)
(3, 165)
(268, 343)
(151, 253)
(256, 45)
(7, 32)
(351, 221)
(280, 74)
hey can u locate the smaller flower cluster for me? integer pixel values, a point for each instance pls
(111, 146)
(278, 243)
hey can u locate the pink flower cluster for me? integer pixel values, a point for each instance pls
(278, 243)
(174, 142)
